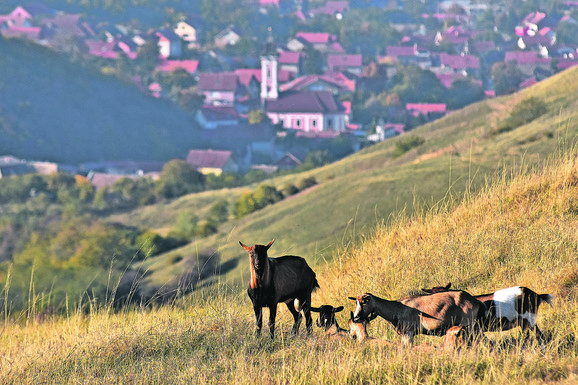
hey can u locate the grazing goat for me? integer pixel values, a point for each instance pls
(432, 314)
(455, 339)
(358, 328)
(328, 321)
(282, 279)
(510, 308)
(437, 289)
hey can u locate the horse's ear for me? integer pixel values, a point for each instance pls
(270, 243)
(244, 247)
(338, 309)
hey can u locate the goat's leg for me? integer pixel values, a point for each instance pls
(527, 327)
(306, 307)
(272, 316)
(296, 315)
(259, 318)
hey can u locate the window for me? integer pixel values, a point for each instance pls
(329, 123)
(298, 122)
(314, 123)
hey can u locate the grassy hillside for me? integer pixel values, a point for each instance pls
(460, 154)
(519, 230)
(51, 109)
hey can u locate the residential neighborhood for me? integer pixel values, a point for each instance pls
(262, 101)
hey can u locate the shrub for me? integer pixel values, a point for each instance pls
(186, 226)
(289, 190)
(266, 195)
(523, 113)
(305, 183)
(403, 145)
(244, 205)
(206, 228)
(219, 212)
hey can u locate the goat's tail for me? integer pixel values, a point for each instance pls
(314, 285)
(548, 298)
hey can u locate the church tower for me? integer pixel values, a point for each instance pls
(269, 73)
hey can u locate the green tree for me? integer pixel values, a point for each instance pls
(266, 195)
(463, 92)
(567, 33)
(186, 226)
(146, 61)
(415, 85)
(179, 178)
(245, 205)
(257, 116)
(219, 212)
(313, 64)
(507, 77)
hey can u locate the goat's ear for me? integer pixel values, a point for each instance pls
(353, 298)
(315, 309)
(447, 287)
(338, 309)
(270, 243)
(428, 291)
(244, 247)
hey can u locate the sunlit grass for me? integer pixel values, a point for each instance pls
(522, 230)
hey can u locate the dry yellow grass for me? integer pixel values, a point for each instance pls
(521, 231)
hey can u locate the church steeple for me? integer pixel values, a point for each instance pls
(269, 72)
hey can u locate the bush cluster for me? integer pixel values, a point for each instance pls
(265, 195)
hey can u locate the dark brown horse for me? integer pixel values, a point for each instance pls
(284, 279)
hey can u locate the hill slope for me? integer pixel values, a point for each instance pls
(520, 232)
(460, 153)
(51, 109)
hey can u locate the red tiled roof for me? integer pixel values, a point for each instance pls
(315, 37)
(534, 18)
(304, 81)
(245, 74)
(525, 57)
(426, 108)
(395, 51)
(331, 8)
(305, 102)
(190, 66)
(344, 60)
(219, 113)
(32, 33)
(448, 79)
(528, 82)
(222, 81)
(289, 57)
(459, 62)
(564, 64)
(208, 158)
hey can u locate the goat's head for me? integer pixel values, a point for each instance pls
(437, 289)
(365, 305)
(257, 254)
(358, 327)
(326, 315)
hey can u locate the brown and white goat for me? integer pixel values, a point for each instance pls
(510, 308)
(432, 314)
(328, 322)
(284, 279)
